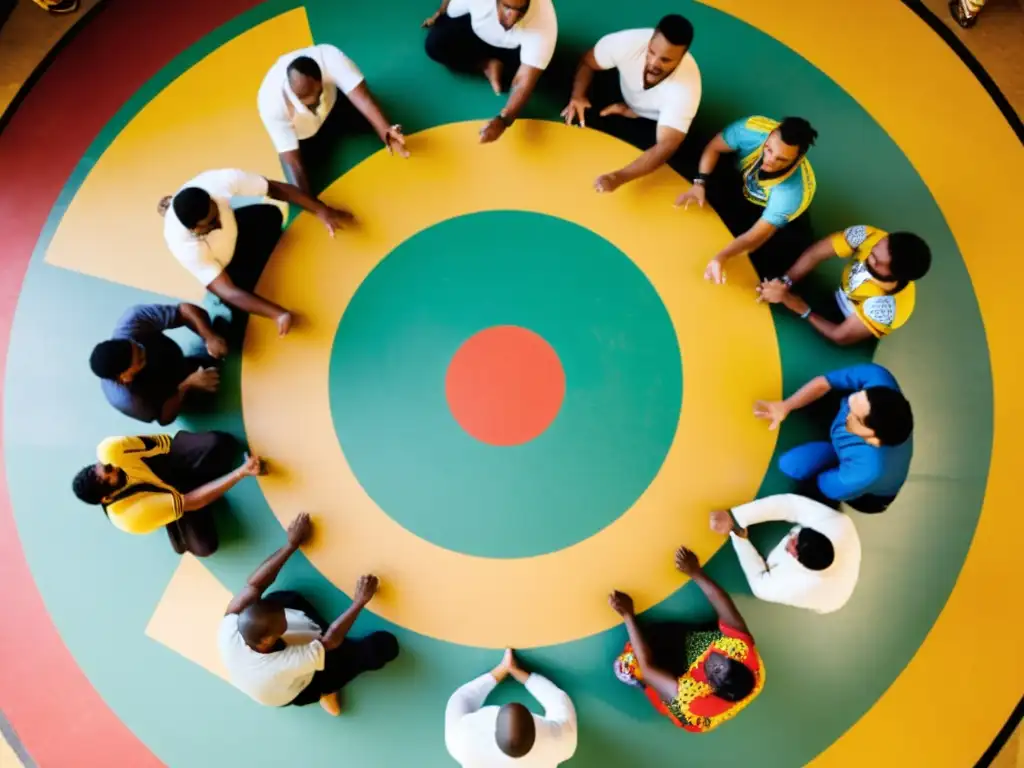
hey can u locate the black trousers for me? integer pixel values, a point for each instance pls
(453, 42)
(344, 663)
(194, 460)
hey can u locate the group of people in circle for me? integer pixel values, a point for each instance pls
(644, 86)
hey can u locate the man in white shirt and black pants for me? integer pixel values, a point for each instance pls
(816, 566)
(492, 37)
(279, 651)
(650, 103)
(481, 737)
(226, 249)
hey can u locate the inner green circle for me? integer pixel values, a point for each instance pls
(588, 300)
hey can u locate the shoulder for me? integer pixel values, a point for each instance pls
(880, 309)
(760, 124)
(687, 72)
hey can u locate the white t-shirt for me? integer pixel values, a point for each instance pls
(287, 119)
(273, 679)
(673, 102)
(780, 578)
(207, 256)
(534, 35)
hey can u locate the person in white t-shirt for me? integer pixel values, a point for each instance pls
(279, 651)
(658, 82)
(298, 103)
(226, 249)
(479, 737)
(490, 36)
(816, 566)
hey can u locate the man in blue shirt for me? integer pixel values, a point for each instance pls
(867, 459)
(144, 374)
(763, 200)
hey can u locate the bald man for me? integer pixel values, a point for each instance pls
(279, 651)
(478, 736)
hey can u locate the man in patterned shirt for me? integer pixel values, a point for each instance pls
(876, 293)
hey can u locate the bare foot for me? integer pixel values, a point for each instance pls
(493, 70)
(331, 704)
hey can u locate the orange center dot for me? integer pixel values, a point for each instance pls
(505, 385)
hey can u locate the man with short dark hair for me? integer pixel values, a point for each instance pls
(478, 736)
(657, 97)
(279, 651)
(876, 294)
(493, 36)
(764, 199)
(226, 249)
(867, 459)
(815, 566)
(302, 102)
(144, 373)
(156, 481)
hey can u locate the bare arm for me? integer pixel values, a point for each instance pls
(225, 288)
(366, 587)
(522, 88)
(261, 579)
(363, 100)
(709, 157)
(726, 609)
(668, 141)
(822, 250)
(213, 490)
(295, 171)
(748, 242)
(584, 75)
(810, 392)
(850, 331)
(661, 681)
(198, 320)
(290, 193)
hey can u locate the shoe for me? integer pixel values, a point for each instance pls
(960, 15)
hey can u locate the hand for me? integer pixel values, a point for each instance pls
(773, 411)
(366, 588)
(300, 529)
(608, 183)
(618, 109)
(492, 131)
(217, 346)
(576, 111)
(163, 205)
(284, 323)
(722, 522)
(714, 272)
(335, 219)
(621, 603)
(394, 140)
(204, 379)
(687, 562)
(253, 467)
(431, 20)
(695, 194)
(772, 291)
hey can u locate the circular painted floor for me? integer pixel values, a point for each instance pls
(484, 282)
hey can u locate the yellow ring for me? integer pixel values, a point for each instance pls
(719, 454)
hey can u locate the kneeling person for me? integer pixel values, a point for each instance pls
(658, 82)
(279, 650)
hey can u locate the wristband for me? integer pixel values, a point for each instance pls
(700, 178)
(505, 120)
(787, 281)
(806, 314)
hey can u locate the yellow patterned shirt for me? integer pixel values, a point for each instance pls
(860, 293)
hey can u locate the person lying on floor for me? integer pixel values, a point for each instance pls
(815, 566)
(867, 458)
(144, 373)
(478, 736)
(280, 651)
(226, 249)
(156, 481)
(656, 98)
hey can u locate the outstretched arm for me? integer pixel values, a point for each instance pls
(759, 234)
(205, 495)
(261, 579)
(668, 141)
(661, 681)
(523, 83)
(295, 170)
(390, 135)
(224, 288)
(821, 251)
(366, 588)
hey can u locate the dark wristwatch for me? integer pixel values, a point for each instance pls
(787, 281)
(506, 120)
(700, 178)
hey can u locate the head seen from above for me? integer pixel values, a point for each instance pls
(787, 144)
(812, 549)
(511, 12)
(729, 679)
(196, 211)
(901, 257)
(669, 44)
(94, 483)
(514, 730)
(118, 360)
(881, 416)
(306, 81)
(261, 625)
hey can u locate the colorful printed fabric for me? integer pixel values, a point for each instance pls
(697, 708)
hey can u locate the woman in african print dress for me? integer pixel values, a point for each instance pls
(697, 677)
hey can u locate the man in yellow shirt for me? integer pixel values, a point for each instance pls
(876, 293)
(156, 481)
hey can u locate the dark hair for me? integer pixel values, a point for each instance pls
(738, 682)
(911, 257)
(88, 487)
(305, 66)
(676, 29)
(797, 132)
(109, 359)
(191, 205)
(890, 416)
(814, 550)
(515, 732)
